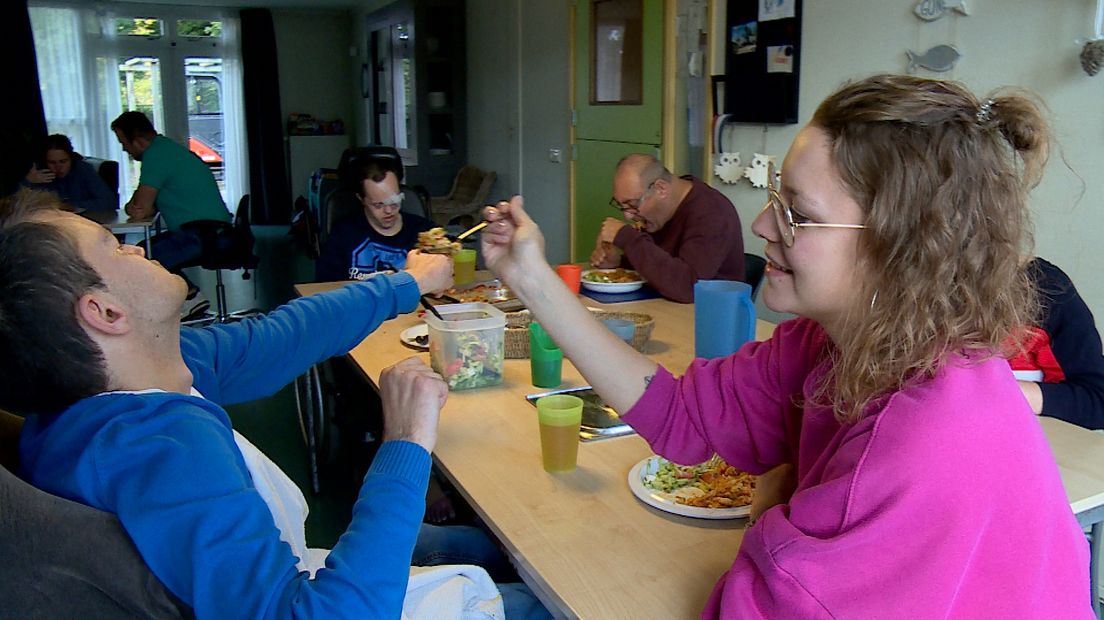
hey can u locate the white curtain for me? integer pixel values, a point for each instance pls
(78, 58)
(76, 97)
(233, 117)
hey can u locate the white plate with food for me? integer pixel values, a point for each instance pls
(416, 337)
(711, 490)
(611, 280)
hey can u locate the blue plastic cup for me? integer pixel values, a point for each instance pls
(724, 317)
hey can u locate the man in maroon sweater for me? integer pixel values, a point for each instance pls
(683, 230)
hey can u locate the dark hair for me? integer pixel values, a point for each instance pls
(59, 142)
(49, 361)
(371, 163)
(134, 125)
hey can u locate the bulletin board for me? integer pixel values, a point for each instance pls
(762, 61)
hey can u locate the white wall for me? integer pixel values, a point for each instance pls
(516, 116)
(493, 90)
(1022, 43)
(315, 65)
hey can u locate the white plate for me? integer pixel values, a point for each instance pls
(666, 501)
(609, 287)
(410, 333)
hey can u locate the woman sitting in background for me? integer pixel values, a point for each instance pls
(925, 487)
(74, 180)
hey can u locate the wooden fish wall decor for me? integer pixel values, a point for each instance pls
(931, 10)
(940, 58)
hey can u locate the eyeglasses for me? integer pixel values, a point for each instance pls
(393, 201)
(784, 215)
(634, 204)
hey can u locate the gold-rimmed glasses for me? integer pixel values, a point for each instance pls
(634, 204)
(784, 215)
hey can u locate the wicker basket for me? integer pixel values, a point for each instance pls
(517, 330)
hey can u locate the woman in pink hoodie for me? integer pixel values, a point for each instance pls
(899, 236)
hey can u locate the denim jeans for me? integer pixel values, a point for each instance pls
(464, 544)
(175, 250)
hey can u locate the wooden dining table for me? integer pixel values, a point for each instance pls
(581, 540)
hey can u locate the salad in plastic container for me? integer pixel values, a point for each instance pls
(467, 347)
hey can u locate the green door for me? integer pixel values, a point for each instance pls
(618, 102)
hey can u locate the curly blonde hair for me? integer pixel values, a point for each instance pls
(943, 179)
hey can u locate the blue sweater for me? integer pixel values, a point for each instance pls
(167, 465)
(355, 249)
(82, 188)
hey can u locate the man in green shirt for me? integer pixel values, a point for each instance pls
(175, 183)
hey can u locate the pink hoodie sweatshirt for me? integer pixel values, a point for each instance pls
(943, 502)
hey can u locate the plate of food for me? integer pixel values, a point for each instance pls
(611, 280)
(416, 337)
(710, 490)
(488, 291)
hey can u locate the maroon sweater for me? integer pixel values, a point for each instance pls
(702, 241)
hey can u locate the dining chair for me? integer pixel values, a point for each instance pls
(63, 559)
(466, 199)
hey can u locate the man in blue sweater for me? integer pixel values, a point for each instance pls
(124, 413)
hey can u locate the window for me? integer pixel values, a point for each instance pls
(178, 65)
(148, 27)
(198, 28)
(389, 84)
(617, 71)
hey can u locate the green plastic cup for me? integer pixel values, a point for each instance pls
(545, 358)
(559, 416)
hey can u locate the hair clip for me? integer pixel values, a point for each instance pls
(984, 111)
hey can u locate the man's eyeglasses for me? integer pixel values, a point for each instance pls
(634, 204)
(393, 201)
(784, 215)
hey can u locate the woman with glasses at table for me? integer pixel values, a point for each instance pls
(899, 235)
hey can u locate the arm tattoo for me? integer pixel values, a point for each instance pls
(648, 380)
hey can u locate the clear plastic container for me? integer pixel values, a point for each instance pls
(468, 347)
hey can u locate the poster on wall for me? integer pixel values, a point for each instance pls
(780, 59)
(762, 61)
(776, 9)
(744, 37)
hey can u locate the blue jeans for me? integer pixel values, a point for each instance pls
(175, 250)
(464, 544)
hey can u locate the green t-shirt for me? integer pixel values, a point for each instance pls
(186, 189)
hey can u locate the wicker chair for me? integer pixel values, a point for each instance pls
(469, 192)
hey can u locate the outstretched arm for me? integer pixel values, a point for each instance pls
(243, 361)
(513, 248)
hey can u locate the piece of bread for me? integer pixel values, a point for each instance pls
(434, 241)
